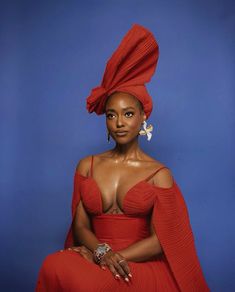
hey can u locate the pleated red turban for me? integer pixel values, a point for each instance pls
(129, 68)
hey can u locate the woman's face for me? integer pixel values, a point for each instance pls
(124, 117)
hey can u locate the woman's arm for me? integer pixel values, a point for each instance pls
(144, 249)
(149, 247)
(82, 232)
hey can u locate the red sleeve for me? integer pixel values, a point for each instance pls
(172, 225)
(75, 201)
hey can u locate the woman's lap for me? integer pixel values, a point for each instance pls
(69, 271)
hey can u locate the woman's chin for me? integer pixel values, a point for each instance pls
(124, 140)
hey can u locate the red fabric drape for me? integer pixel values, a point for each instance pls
(172, 225)
(129, 68)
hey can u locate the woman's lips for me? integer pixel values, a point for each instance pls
(121, 133)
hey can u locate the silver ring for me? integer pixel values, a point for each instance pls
(121, 261)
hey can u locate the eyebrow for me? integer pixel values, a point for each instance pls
(124, 109)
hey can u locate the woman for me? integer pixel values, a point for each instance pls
(130, 229)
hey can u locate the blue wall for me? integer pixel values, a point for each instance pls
(51, 54)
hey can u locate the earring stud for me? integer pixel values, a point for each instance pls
(108, 137)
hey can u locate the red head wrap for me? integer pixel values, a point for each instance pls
(128, 69)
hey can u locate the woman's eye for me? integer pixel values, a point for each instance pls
(129, 114)
(110, 116)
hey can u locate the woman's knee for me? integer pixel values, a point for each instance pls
(51, 262)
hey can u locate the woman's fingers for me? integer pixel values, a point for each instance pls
(79, 249)
(75, 248)
(123, 263)
(117, 265)
(87, 257)
(102, 266)
(83, 251)
(122, 271)
(116, 269)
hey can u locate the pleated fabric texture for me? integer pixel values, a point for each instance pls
(129, 68)
(177, 269)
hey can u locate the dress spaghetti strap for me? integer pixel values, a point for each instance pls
(151, 175)
(91, 167)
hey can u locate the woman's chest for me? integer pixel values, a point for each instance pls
(137, 198)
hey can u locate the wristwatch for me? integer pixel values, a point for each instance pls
(100, 251)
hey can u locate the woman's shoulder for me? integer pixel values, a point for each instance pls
(163, 176)
(84, 164)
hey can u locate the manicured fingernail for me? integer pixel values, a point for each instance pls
(117, 277)
(126, 279)
(103, 268)
(130, 275)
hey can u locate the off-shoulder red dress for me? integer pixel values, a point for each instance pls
(177, 269)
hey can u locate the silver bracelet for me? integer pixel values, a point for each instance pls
(100, 251)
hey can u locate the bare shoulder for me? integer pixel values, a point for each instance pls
(164, 177)
(83, 165)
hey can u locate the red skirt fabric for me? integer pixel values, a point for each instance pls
(69, 271)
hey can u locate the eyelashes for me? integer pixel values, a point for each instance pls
(128, 114)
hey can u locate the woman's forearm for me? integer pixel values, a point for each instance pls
(142, 250)
(84, 236)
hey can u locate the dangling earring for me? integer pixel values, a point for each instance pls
(146, 130)
(108, 136)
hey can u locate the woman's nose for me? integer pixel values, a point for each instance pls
(119, 122)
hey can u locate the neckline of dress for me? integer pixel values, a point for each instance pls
(128, 191)
(143, 180)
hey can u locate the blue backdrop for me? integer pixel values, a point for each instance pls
(52, 54)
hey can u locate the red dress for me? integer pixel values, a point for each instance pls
(177, 269)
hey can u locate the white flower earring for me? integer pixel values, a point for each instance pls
(146, 130)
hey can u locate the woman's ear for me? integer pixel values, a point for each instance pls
(144, 117)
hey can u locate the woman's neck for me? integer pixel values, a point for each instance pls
(127, 151)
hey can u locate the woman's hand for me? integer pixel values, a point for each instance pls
(84, 252)
(117, 265)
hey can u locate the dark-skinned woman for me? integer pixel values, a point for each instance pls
(130, 227)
